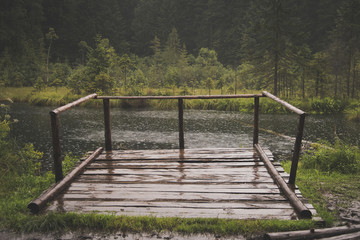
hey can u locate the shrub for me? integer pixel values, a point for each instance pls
(328, 105)
(340, 157)
(354, 114)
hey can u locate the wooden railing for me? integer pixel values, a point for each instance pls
(107, 120)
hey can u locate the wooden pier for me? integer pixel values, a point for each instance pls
(208, 183)
(241, 183)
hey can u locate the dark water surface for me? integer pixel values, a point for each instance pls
(82, 129)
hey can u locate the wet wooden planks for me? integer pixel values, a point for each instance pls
(220, 183)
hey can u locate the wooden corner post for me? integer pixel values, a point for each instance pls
(181, 124)
(55, 133)
(297, 149)
(108, 145)
(256, 121)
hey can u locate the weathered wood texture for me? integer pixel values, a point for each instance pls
(183, 97)
(284, 103)
(74, 103)
(211, 183)
(107, 123)
(343, 232)
(301, 209)
(36, 205)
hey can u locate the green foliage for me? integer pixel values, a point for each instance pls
(328, 105)
(340, 158)
(69, 163)
(324, 189)
(102, 84)
(354, 114)
(264, 47)
(39, 84)
(20, 178)
(77, 80)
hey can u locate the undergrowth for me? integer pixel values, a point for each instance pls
(329, 171)
(57, 97)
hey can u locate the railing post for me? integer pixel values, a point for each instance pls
(55, 133)
(181, 123)
(108, 145)
(297, 149)
(256, 121)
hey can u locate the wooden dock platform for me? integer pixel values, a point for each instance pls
(207, 183)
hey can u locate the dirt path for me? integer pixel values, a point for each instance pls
(114, 236)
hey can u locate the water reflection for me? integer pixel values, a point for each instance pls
(82, 129)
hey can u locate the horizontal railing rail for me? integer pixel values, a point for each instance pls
(183, 97)
(107, 122)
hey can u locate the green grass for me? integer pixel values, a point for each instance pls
(93, 222)
(354, 114)
(329, 175)
(52, 97)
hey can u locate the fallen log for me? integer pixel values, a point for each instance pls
(313, 233)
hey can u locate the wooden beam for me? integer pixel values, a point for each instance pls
(282, 102)
(55, 134)
(73, 104)
(36, 205)
(300, 208)
(183, 97)
(313, 233)
(297, 149)
(181, 123)
(107, 121)
(256, 121)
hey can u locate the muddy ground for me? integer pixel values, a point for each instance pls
(116, 236)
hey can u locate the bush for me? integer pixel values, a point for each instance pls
(328, 105)
(354, 114)
(342, 158)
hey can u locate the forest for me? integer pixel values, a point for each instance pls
(300, 49)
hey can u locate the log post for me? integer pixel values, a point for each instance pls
(297, 149)
(256, 121)
(55, 133)
(181, 123)
(108, 145)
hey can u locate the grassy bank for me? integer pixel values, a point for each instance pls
(57, 97)
(328, 175)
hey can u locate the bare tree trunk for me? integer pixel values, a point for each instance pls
(47, 64)
(354, 78)
(303, 84)
(336, 85)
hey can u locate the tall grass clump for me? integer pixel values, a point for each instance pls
(340, 157)
(328, 105)
(354, 114)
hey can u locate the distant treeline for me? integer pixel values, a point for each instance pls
(291, 48)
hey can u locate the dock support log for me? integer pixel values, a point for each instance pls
(36, 205)
(108, 145)
(300, 208)
(297, 149)
(256, 121)
(55, 134)
(181, 123)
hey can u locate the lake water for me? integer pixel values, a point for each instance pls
(82, 129)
